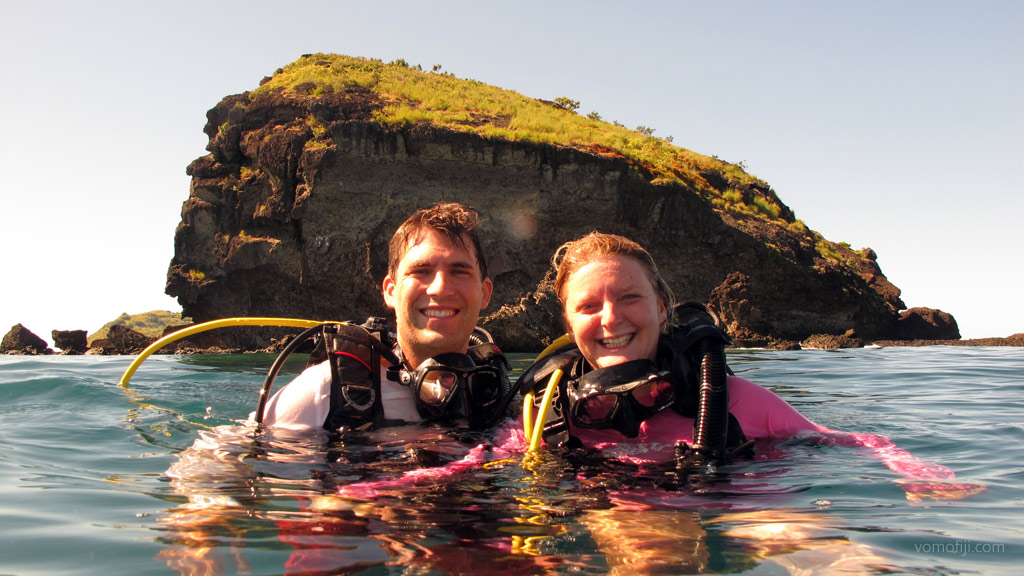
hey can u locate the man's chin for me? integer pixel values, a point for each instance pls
(440, 342)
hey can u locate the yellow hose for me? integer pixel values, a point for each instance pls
(222, 323)
(545, 409)
(558, 343)
(528, 424)
(528, 415)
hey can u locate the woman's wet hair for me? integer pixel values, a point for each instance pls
(453, 220)
(576, 254)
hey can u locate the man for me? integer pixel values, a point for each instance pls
(437, 284)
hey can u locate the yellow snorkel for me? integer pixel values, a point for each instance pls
(537, 433)
(534, 429)
(222, 323)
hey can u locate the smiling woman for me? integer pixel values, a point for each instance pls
(623, 352)
(612, 307)
(643, 393)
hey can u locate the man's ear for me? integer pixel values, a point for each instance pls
(388, 289)
(487, 288)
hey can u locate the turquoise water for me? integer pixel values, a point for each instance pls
(159, 478)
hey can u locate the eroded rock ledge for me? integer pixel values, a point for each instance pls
(283, 221)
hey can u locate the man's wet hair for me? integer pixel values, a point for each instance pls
(454, 220)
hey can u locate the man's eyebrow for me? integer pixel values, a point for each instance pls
(430, 264)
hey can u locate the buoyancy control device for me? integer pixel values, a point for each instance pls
(692, 351)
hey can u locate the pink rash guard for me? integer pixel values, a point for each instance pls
(761, 414)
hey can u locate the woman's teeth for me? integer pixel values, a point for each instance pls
(616, 342)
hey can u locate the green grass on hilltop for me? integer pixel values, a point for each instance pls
(413, 96)
(150, 324)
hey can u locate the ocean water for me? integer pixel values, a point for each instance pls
(163, 477)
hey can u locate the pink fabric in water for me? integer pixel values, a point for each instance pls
(475, 457)
(760, 412)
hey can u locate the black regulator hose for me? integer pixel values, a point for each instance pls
(711, 427)
(275, 368)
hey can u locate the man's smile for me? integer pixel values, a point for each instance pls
(439, 312)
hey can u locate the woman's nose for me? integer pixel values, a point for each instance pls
(609, 314)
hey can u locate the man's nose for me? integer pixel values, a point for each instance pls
(439, 283)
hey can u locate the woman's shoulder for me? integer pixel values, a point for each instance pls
(762, 412)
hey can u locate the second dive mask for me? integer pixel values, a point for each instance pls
(620, 397)
(452, 385)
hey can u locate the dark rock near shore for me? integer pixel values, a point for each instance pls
(1013, 340)
(21, 340)
(207, 342)
(926, 324)
(120, 340)
(832, 342)
(70, 341)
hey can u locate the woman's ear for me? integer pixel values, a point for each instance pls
(568, 329)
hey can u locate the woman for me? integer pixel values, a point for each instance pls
(637, 389)
(631, 384)
(630, 380)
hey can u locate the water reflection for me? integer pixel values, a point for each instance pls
(245, 500)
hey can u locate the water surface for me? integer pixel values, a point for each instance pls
(162, 477)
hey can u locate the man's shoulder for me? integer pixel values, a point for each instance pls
(315, 375)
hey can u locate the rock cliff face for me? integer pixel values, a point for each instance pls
(290, 214)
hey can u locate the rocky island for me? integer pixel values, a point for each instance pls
(308, 175)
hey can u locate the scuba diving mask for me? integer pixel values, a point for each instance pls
(620, 397)
(452, 385)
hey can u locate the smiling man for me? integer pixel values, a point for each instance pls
(437, 281)
(441, 366)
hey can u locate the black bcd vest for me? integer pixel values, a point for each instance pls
(684, 350)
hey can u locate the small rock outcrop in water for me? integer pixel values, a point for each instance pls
(20, 340)
(120, 340)
(832, 341)
(308, 176)
(70, 341)
(926, 324)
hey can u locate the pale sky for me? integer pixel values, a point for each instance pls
(895, 125)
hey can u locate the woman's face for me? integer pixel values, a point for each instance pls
(612, 311)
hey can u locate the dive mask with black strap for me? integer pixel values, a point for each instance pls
(620, 397)
(451, 386)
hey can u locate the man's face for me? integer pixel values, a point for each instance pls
(437, 295)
